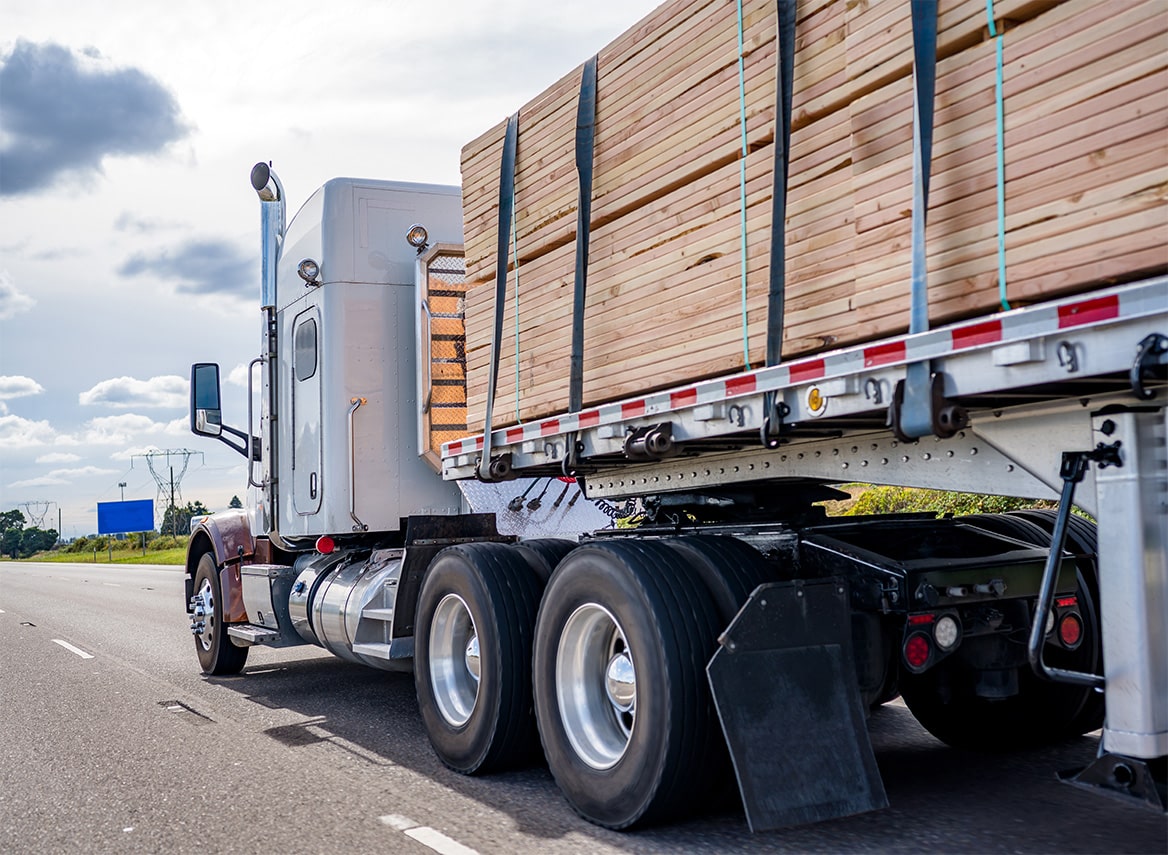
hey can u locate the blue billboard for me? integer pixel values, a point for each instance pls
(124, 517)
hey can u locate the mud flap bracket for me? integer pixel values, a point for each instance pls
(784, 684)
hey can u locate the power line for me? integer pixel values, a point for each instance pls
(37, 510)
(169, 483)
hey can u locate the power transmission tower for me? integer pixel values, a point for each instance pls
(37, 510)
(169, 493)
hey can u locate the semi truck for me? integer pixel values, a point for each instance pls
(729, 628)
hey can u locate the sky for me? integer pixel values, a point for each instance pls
(129, 232)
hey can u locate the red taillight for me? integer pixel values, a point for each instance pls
(917, 650)
(918, 620)
(1066, 602)
(325, 545)
(1070, 630)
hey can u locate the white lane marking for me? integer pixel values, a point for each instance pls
(438, 841)
(73, 649)
(427, 836)
(111, 584)
(401, 823)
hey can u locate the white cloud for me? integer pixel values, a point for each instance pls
(125, 392)
(58, 457)
(133, 451)
(61, 477)
(118, 430)
(43, 481)
(178, 427)
(238, 376)
(13, 301)
(17, 432)
(16, 386)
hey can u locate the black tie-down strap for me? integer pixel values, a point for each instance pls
(585, 148)
(919, 407)
(784, 95)
(776, 299)
(585, 145)
(489, 470)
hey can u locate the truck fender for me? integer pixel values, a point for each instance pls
(228, 537)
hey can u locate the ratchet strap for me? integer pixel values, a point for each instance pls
(774, 410)
(918, 405)
(585, 144)
(924, 24)
(783, 93)
(506, 205)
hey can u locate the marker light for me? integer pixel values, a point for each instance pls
(325, 545)
(1070, 631)
(309, 271)
(946, 632)
(917, 651)
(417, 236)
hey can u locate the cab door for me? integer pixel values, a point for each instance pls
(307, 447)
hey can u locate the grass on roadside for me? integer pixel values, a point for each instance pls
(102, 550)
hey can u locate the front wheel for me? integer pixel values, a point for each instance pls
(218, 656)
(624, 708)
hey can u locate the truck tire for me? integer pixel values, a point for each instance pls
(624, 709)
(472, 669)
(729, 568)
(543, 554)
(1042, 712)
(218, 656)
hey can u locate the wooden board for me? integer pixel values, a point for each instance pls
(1086, 171)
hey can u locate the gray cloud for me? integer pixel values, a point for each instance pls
(198, 267)
(65, 114)
(135, 224)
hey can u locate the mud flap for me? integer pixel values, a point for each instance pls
(784, 684)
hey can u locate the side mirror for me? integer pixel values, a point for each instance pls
(206, 411)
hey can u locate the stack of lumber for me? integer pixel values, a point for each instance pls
(445, 349)
(1086, 165)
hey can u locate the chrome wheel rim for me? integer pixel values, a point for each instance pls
(596, 686)
(455, 666)
(204, 602)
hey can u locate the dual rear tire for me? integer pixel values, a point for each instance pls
(608, 668)
(472, 660)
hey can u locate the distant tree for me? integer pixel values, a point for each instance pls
(177, 519)
(34, 540)
(11, 526)
(235, 503)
